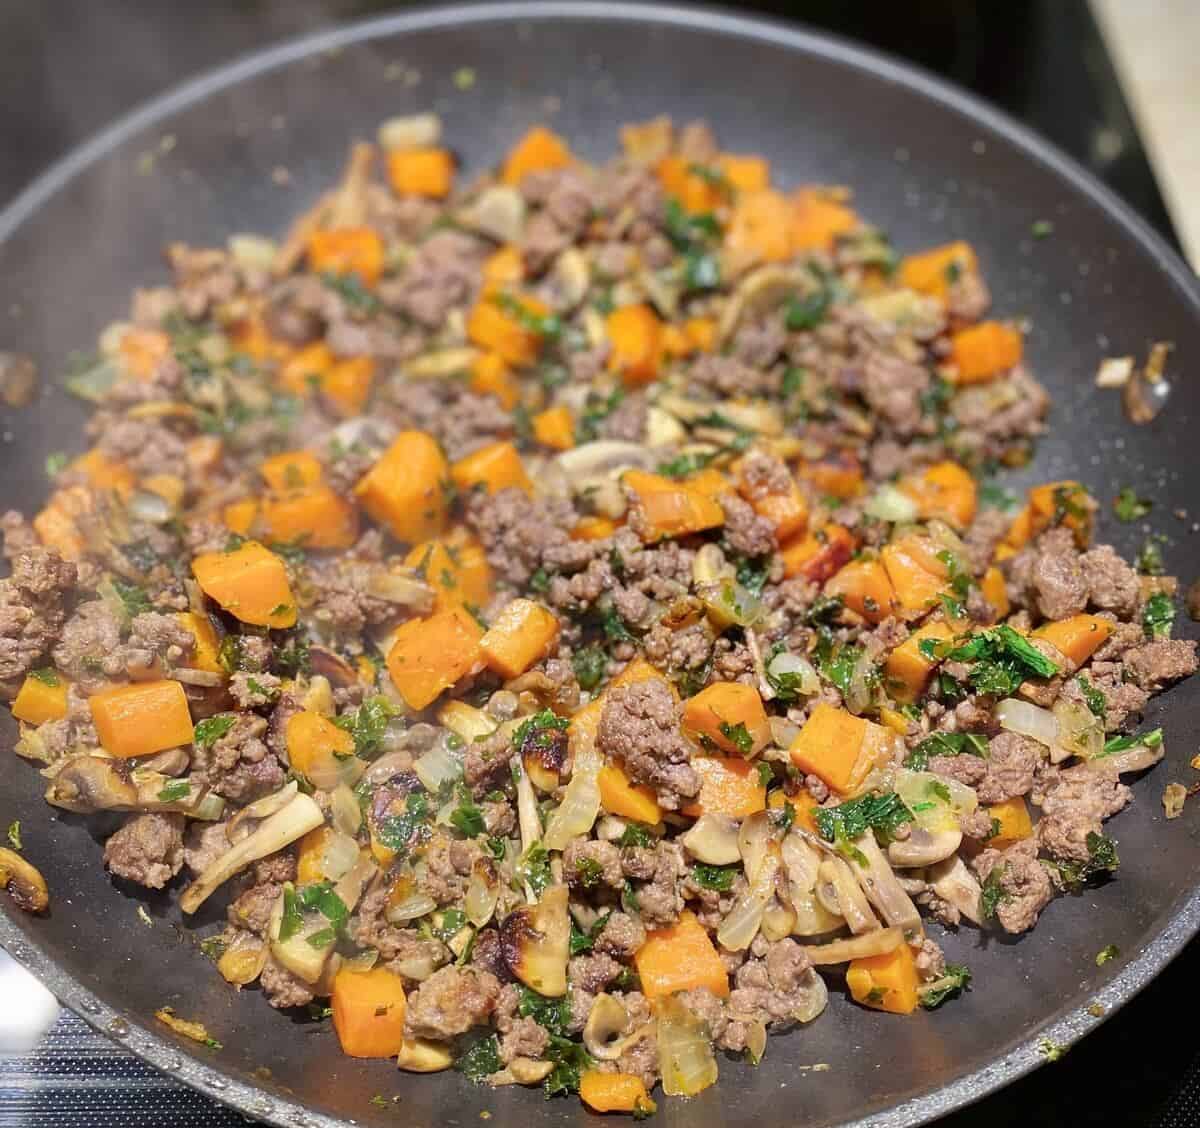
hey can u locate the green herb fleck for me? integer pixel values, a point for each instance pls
(955, 980)
(1109, 952)
(1041, 228)
(590, 665)
(635, 834)
(1129, 507)
(717, 878)
(47, 675)
(208, 731)
(56, 463)
(1158, 615)
(467, 818)
(1051, 1051)
(174, 791)
(992, 893)
(367, 724)
(946, 744)
(481, 1060)
(534, 869)
(14, 834)
(1095, 700)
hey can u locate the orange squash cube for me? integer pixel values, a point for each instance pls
(680, 958)
(316, 517)
(729, 786)
(41, 698)
(142, 718)
(539, 150)
(888, 982)
(430, 655)
(495, 467)
(347, 250)
(291, 470)
(406, 489)
(521, 635)
(250, 582)
(831, 745)
(635, 336)
(625, 800)
(421, 172)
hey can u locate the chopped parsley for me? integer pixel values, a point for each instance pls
(701, 270)
(590, 665)
(753, 573)
(614, 626)
(481, 1060)
(1151, 739)
(787, 684)
(1094, 699)
(635, 834)
(497, 847)
(320, 898)
(570, 1061)
(174, 791)
(1051, 1051)
(992, 495)
(836, 661)
(133, 599)
(955, 980)
(1002, 659)
(537, 733)
(717, 878)
(56, 463)
(1129, 507)
(401, 832)
(451, 924)
(213, 947)
(546, 325)
(992, 893)
(1158, 615)
(467, 818)
(14, 834)
(208, 731)
(583, 942)
(367, 725)
(1102, 859)
(689, 232)
(808, 311)
(534, 869)
(294, 658)
(540, 581)
(47, 675)
(352, 291)
(738, 735)
(588, 871)
(852, 819)
(946, 744)
(1109, 952)
(1149, 560)
(595, 411)
(552, 1014)
(1041, 228)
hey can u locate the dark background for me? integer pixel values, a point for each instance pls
(68, 67)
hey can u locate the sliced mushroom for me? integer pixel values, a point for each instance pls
(571, 275)
(881, 887)
(248, 819)
(840, 894)
(602, 1033)
(332, 666)
(955, 884)
(281, 829)
(713, 839)
(924, 847)
(760, 291)
(350, 201)
(603, 461)
(242, 962)
(522, 1071)
(84, 784)
(877, 943)
(497, 212)
(440, 364)
(401, 587)
(534, 941)
(662, 428)
(423, 1055)
(24, 882)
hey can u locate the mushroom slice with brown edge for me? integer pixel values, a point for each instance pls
(955, 884)
(881, 887)
(25, 884)
(281, 829)
(534, 940)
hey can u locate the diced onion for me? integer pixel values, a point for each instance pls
(1173, 799)
(413, 131)
(483, 891)
(786, 663)
(783, 731)
(345, 811)
(1137, 758)
(756, 1041)
(876, 943)
(1080, 731)
(754, 841)
(925, 795)
(730, 604)
(889, 504)
(416, 904)
(437, 767)
(528, 818)
(149, 507)
(685, 1053)
(859, 694)
(812, 917)
(576, 814)
(339, 856)
(242, 962)
(741, 925)
(1029, 720)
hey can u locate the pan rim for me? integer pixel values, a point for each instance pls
(1019, 1056)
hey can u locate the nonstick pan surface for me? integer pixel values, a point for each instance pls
(927, 163)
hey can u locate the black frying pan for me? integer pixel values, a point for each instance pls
(929, 164)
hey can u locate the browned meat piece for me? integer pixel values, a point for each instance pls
(253, 691)
(204, 277)
(1025, 886)
(252, 909)
(156, 639)
(745, 530)
(458, 418)
(526, 1039)
(1058, 581)
(593, 973)
(759, 343)
(486, 762)
(450, 1002)
(278, 867)
(90, 652)
(239, 765)
(590, 864)
(542, 242)
(968, 298)
(931, 961)
(639, 725)
(728, 376)
(148, 849)
(893, 388)
(964, 768)
(628, 421)
(1074, 804)
(776, 988)
(203, 844)
(728, 1032)
(764, 473)
(282, 988)
(621, 936)
(517, 532)
(1011, 762)
(144, 445)
(660, 898)
(1112, 584)
(31, 612)
(1154, 665)
(986, 532)
(392, 941)
(19, 535)
(441, 276)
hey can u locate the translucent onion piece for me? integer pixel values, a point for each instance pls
(685, 1054)
(339, 856)
(1173, 798)
(859, 693)
(754, 841)
(414, 967)
(403, 590)
(1080, 731)
(416, 904)
(1134, 759)
(580, 806)
(437, 767)
(149, 507)
(483, 891)
(778, 920)
(713, 840)
(783, 731)
(741, 925)
(730, 604)
(344, 809)
(756, 1041)
(466, 721)
(956, 885)
(1029, 720)
(527, 812)
(889, 504)
(877, 943)
(786, 663)
(812, 917)
(937, 802)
